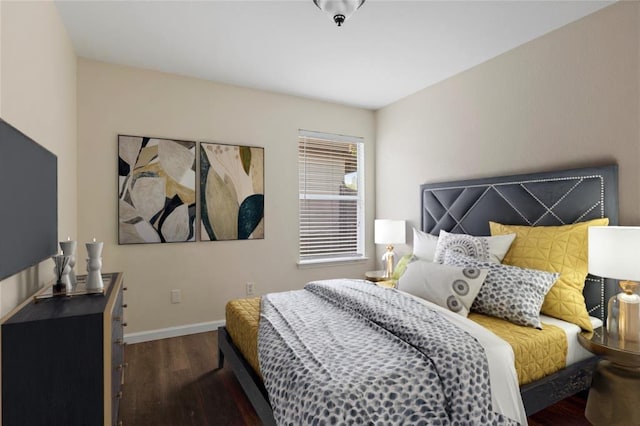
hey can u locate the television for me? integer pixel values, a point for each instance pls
(28, 202)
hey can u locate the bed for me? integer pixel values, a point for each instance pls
(547, 199)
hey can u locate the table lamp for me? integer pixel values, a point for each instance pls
(389, 232)
(613, 253)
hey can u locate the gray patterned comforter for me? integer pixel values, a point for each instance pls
(348, 352)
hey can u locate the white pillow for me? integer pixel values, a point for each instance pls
(424, 245)
(492, 249)
(451, 287)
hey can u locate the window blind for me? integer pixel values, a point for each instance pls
(331, 196)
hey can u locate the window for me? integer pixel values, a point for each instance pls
(331, 197)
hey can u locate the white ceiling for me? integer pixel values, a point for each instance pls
(386, 51)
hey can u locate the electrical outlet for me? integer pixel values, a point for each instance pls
(250, 288)
(176, 296)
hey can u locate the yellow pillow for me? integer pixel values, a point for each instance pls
(560, 249)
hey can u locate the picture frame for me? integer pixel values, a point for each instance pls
(231, 192)
(156, 190)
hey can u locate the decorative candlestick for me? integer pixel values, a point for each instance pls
(69, 249)
(94, 263)
(61, 269)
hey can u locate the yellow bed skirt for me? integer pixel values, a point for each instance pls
(242, 317)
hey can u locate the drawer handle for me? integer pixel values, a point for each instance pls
(124, 324)
(119, 367)
(119, 395)
(125, 305)
(124, 289)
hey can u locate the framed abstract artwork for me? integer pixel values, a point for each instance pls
(156, 190)
(231, 192)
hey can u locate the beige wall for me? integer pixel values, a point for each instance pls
(567, 99)
(115, 99)
(38, 96)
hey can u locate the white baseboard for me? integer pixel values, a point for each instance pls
(163, 333)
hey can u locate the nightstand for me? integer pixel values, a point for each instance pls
(375, 276)
(613, 398)
(378, 278)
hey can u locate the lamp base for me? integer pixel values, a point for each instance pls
(623, 317)
(388, 261)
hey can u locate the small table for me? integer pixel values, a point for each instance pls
(614, 398)
(375, 276)
(378, 278)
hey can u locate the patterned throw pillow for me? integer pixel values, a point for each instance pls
(451, 287)
(509, 292)
(491, 249)
(560, 249)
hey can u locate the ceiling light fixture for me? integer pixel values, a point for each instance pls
(339, 10)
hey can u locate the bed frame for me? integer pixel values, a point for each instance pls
(547, 199)
(467, 206)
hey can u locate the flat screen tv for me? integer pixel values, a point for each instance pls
(28, 202)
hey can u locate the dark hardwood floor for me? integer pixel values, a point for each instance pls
(173, 382)
(569, 412)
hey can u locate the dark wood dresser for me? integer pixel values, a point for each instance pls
(63, 359)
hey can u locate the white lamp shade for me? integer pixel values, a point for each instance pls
(389, 231)
(614, 252)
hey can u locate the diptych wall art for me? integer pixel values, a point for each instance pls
(231, 192)
(156, 190)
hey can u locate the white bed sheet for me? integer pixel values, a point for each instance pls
(505, 390)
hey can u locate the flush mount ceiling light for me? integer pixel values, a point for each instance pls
(339, 10)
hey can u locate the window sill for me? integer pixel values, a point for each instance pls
(320, 263)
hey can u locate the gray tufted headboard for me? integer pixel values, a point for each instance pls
(551, 198)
